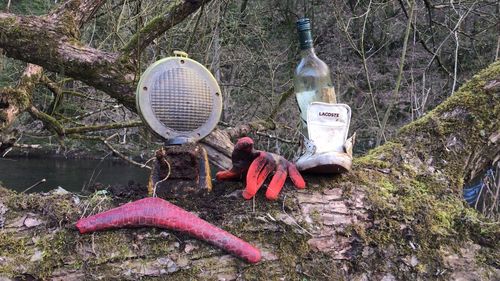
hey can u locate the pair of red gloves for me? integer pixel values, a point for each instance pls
(258, 165)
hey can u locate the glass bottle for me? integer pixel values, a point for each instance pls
(312, 80)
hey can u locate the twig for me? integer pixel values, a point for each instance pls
(435, 56)
(400, 75)
(164, 179)
(283, 98)
(114, 150)
(146, 163)
(188, 44)
(35, 184)
(294, 221)
(24, 145)
(84, 96)
(85, 129)
(93, 172)
(365, 66)
(245, 129)
(6, 152)
(113, 106)
(276, 138)
(56, 90)
(498, 48)
(457, 25)
(121, 155)
(455, 66)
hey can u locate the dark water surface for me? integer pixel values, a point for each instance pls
(70, 174)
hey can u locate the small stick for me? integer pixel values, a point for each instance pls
(164, 179)
(37, 183)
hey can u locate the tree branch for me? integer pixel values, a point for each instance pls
(79, 10)
(85, 129)
(400, 76)
(176, 12)
(48, 120)
(105, 141)
(15, 100)
(61, 53)
(112, 73)
(56, 90)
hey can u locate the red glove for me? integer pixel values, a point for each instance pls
(258, 165)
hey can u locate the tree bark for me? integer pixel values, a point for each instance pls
(398, 216)
(52, 42)
(16, 100)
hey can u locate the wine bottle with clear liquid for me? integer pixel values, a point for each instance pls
(312, 80)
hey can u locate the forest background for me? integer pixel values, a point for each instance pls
(251, 48)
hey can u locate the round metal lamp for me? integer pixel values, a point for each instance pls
(179, 99)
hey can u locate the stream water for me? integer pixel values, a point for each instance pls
(70, 174)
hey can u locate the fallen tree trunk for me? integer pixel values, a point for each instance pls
(53, 42)
(398, 215)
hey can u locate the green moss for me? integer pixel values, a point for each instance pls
(192, 273)
(430, 221)
(408, 210)
(57, 249)
(112, 246)
(58, 208)
(160, 246)
(12, 248)
(378, 157)
(8, 21)
(15, 97)
(411, 204)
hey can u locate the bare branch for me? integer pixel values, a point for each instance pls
(245, 129)
(114, 150)
(85, 129)
(56, 90)
(175, 13)
(400, 75)
(80, 10)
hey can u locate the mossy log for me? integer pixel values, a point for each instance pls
(53, 42)
(16, 100)
(398, 216)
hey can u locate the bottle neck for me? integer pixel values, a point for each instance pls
(309, 52)
(305, 39)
